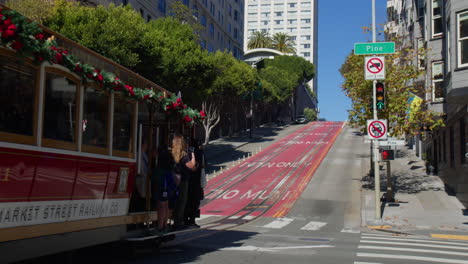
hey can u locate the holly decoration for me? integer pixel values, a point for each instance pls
(29, 40)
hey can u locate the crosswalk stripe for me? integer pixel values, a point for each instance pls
(417, 240)
(312, 225)
(392, 256)
(279, 223)
(455, 253)
(411, 244)
(360, 262)
(204, 216)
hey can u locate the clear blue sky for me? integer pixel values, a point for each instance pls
(339, 27)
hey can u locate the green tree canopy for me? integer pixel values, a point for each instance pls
(259, 39)
(114, 32)
(174, 59)
(283, 42)
(37, 10)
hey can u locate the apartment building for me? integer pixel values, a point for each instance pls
(297, 18)
(222, 19)
(441, 27)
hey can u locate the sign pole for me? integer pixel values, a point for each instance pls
(375, 146)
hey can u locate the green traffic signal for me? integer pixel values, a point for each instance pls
(380, 96)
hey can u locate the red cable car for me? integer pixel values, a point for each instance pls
(69, 155)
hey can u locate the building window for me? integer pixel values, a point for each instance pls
(306, 54)
(211, 28)
(292, 4)
(436, 18)
(463, 143)
(306, 21)
(230, 10)
(279, 13)
(236, 15)
(290, 13)
(462, 39)
(305, 4)
(265, 22)
(292, 21)
(203, 20)
(203, 44)
(452, 147)
(421, 56)
(124, 2)
(437, 80)
(142, 13)
(195, 11)
(212, 8)
(278, 4)
(305, 37)
(162, 6)
(235, 33)
(279, 22)
(148, 18)
(305, 12)
(306, 46)
(186, 2)
(293, 38)
(292, 29)
(448, 49)
(265, 14)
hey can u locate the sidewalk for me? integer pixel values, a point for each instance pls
(421, 201)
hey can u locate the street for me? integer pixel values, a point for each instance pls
(268, 209)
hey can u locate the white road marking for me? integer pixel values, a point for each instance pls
(411, 244)
(273, 249)
(390, 256)
(416, 250)
(248, 217)
(279, 223)
(350, 230)
(204, 216)
(360, 262)
(416, 240)
(312, 225)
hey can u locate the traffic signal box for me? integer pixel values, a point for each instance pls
(380, 96)
(387, 154)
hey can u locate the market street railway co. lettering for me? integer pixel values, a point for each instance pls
(30, 213)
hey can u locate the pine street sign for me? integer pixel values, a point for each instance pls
(374, 48)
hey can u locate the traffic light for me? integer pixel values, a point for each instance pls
(380, 96)
(387, 154)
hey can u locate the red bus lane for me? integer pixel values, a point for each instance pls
(270, 182)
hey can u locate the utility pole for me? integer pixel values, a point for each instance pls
(374, 141)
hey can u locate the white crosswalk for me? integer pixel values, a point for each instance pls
(383, 248)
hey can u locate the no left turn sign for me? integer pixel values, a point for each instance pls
(374, 68)
(377, 129)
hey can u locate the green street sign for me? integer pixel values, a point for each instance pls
(374, 48)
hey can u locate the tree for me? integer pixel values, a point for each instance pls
(181, 12)
(174, 59)
(401, 75)
(234, 78)
(283, 42)
(37, 10)
(259, 39)
(310, 114)
(114, 32)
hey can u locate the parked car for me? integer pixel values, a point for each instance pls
(301, 119)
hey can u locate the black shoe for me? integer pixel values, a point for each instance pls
(194, 225)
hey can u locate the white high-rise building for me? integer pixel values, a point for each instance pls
(297, 18)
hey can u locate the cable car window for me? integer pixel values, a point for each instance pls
(123, 124)
(60, 108)
(95, 116)
(17, 97)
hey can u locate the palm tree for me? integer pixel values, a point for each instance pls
(259, 39)
(283, 42)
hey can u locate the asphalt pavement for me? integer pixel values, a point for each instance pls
(421, 204)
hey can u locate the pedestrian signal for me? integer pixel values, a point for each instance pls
(388, 154)
(380, 96)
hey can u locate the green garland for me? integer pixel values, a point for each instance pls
(28, 40)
